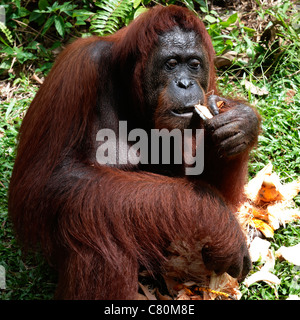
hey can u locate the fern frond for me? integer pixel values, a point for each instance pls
(113, 14)
(7, 33)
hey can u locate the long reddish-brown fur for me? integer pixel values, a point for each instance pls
(98, 224)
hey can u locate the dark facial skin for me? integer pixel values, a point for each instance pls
(185, 66)
(178, 73)
(176, 78)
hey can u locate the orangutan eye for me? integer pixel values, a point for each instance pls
(171, 64)
(194, 64)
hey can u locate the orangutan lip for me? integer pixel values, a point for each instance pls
(184, 112)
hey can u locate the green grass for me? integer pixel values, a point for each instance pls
(280, 144)
(27, 277)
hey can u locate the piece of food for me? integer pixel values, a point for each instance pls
(220, 104)
(203, 112)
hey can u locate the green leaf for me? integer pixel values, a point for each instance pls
(139, 11)
(43, 4)
(48, 24)
(8, 50)
(10, 107)
(32, 45)
(136, 3)
(23, 56)
(250, 31)
(55, 6)
(202, 3)
(60, 25)
(5, 65)
(81, 12)
(21, 13)
(112, 15)
(210, 19)
(35, 15)
(189, 4)
(81, 16)
(232, 19)
(67, 6)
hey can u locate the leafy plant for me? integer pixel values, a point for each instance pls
(7, 33)
(56, 14)
(113, 13)
(216, 28)
(27, 27)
